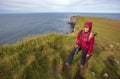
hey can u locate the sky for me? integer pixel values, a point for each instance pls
(34, 6)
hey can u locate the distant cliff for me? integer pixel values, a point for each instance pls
(74, 19)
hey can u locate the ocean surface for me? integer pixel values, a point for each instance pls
(16, 26)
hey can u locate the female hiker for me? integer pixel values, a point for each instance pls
(84, 42)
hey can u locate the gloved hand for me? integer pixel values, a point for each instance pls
(87, 56)
(77, 46)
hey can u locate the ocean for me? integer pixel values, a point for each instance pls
(16, 26)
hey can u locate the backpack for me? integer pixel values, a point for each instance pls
(89, 35)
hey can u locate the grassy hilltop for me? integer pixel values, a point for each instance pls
(43, 56)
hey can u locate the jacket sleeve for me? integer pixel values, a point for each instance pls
(90, 49)
(78, 39)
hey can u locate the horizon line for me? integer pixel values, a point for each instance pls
(54, 12)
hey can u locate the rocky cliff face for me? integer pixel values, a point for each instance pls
(74, 19)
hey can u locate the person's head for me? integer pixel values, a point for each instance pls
(87, 26)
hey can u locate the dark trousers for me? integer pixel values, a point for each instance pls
(73, 52)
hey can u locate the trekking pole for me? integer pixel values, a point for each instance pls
(77, 49)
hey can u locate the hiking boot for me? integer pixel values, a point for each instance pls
(81, 66)
(67, 64)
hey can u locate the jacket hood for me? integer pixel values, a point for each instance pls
(88, 25)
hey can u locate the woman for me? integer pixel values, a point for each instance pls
(84, 42)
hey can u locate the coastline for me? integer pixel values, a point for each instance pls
(44, 56)
(74, 21)
(16, 29)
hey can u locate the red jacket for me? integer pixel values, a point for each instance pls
(83, 40)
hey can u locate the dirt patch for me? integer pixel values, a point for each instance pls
(78, 75)
(110, 61)
(117, 76)
(66, 69)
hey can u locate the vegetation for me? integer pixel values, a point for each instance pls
(43, 56)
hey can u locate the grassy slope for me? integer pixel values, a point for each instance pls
(42, 57)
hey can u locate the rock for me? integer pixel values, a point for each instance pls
(111, 46)
(93, 73)
(72, 24)
(117, 61)
(105, 75)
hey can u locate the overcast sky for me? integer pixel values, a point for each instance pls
(97, 6)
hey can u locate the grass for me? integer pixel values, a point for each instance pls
(43, 56)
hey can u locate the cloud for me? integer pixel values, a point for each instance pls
(60, 5)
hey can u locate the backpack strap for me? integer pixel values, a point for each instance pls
(95, 34)
(81, 32)
(90, 35)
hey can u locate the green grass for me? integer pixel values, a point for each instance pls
(43, 56)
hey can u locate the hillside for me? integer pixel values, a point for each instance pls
(44, 56)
